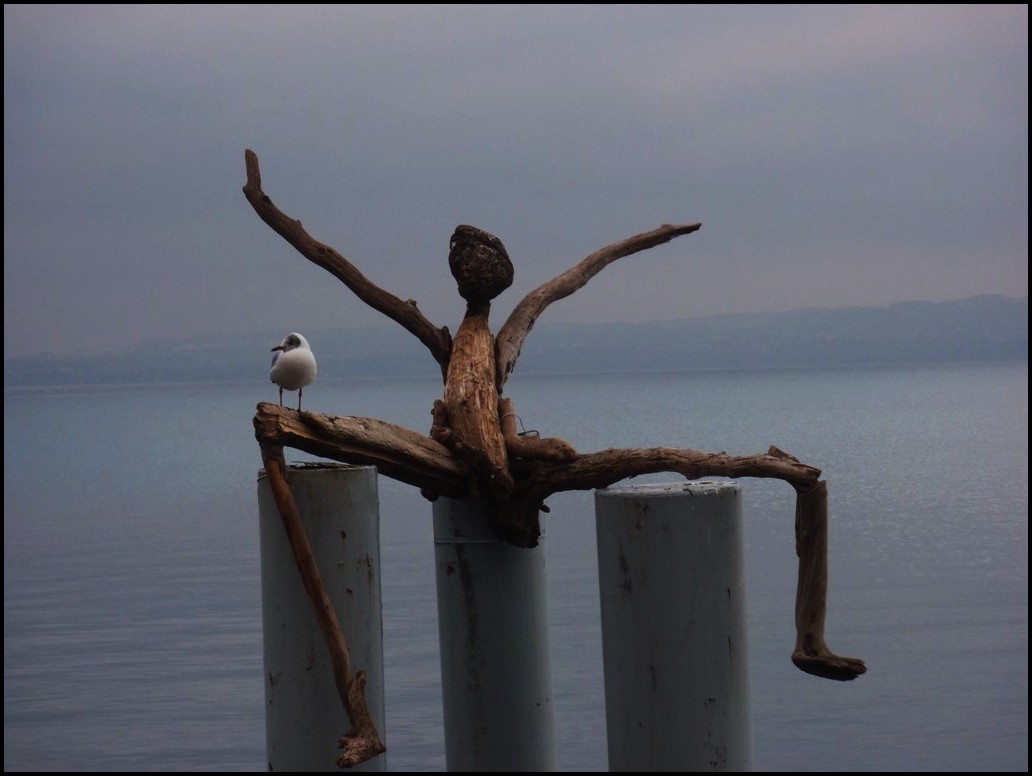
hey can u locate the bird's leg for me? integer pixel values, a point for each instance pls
(300, 391)
(281, 396)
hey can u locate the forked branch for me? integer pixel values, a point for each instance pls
(397, 452)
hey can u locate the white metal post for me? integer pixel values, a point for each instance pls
(672, 596)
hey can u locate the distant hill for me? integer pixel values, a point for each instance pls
(979, 328)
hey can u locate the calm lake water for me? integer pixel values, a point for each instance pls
(132, 599)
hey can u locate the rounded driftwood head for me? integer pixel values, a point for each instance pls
(479, 264)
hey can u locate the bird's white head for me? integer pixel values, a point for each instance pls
(293, 365)
(291, 341)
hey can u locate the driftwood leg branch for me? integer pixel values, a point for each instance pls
(361, 742)
(811, 653)
(397, 452)
(601, 469)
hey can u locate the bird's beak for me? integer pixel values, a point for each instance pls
(278, 347)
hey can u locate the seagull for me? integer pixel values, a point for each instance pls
(293, 366)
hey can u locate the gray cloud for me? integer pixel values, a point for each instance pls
(836, 155)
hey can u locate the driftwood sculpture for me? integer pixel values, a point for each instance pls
(474, 451)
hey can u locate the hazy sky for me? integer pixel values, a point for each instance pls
(836, 155)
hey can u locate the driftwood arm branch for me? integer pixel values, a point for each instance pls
(438, 340)
(521, 320)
